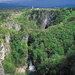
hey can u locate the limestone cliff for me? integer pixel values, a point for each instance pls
(42, 17)
(4, 51)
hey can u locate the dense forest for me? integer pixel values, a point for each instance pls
(46, 35)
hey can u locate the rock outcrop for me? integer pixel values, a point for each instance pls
(4, 49)
(42, 17)
(7, 38)
(25, 38)
(1, 69)
(14, 26)
(2, 55)
(47, 19)
(21, 69)
(2, 52)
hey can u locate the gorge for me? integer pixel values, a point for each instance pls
(37, 41)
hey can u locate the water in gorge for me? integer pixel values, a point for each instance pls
(31, 69)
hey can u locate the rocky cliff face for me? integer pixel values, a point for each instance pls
(1, 69)
(42, 17)
(25, 38)
(14, 26)
(2, 55)
(11, 25)
(4, 50)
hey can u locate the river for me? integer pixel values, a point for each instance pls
(31, 69)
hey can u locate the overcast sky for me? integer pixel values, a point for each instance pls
(45, 3)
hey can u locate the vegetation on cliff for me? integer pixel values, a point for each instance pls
(51, 49)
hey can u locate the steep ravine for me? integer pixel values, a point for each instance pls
(31, 69)
(43, 18)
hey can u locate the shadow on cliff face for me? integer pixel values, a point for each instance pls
(31, 72)
(42, 17)
(68, 67)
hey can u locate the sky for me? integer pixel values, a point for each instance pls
(40, 3)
